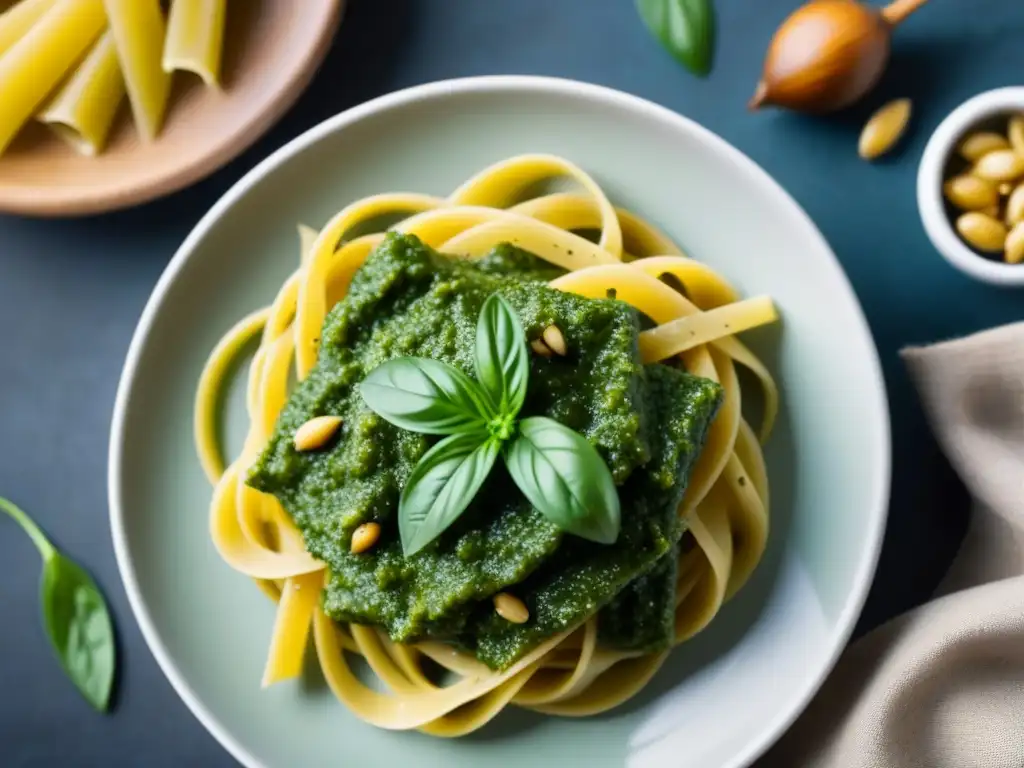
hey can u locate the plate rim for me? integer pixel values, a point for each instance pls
(882, 455)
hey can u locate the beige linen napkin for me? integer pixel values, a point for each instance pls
(943, 685)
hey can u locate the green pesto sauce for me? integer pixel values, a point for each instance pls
(408, 300)
(584, 576)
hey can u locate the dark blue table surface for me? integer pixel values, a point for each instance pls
(71, 292)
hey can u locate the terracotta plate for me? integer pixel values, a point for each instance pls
(272, 49)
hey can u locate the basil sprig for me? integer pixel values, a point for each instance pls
(502, 362)
(559, 472)
(426, 396)
(442, 485)
(553, 467)
(686, 28)
(75, 616)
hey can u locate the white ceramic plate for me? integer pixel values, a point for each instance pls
(724, 696)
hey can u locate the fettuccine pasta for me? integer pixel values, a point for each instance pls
(726, 502)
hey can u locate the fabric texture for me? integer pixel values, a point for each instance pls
(942, 686)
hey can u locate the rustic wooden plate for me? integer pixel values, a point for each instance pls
(272, 49)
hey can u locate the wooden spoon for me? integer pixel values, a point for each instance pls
(272, 49)
(828, 54)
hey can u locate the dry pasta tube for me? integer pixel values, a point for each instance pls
(31, 69)
(17, 20)
(195, 38)
(139, 30)
(83, 110)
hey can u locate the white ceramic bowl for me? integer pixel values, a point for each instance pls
(722, 697)
(931, 175)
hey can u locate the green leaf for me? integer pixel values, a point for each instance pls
(78, 623)
(426, 396)
(502, 361)
(442, 485)
(565, 478)
(685, 27)
(75, 615)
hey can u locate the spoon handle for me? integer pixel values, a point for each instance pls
(898, 10)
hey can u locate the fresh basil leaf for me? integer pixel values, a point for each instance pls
(79, 627)
(442, 485)
(502, 361)
(426, 396)
(565, 478)
(686, 28)
(75, 615)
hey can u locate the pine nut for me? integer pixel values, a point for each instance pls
(364, 537)
(977, 145)
(316, 432)
(970, 193)
(511, 608)
(1015, 132)
(982, 232)
(1001, 165)
(1015, 206)
(884, 129)
(541, 348)
(1014, 252)
(555, 340)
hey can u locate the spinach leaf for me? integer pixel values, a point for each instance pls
(502, 362)
(426, 396)
(565, 478)
(79, 627)
(441, 486)
(686, 28)
(75, 616)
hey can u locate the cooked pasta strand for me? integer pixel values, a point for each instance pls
(675, 337)
(300, 596)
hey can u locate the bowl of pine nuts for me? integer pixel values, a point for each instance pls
(970, 187)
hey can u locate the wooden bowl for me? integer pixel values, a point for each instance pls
(272, 49)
